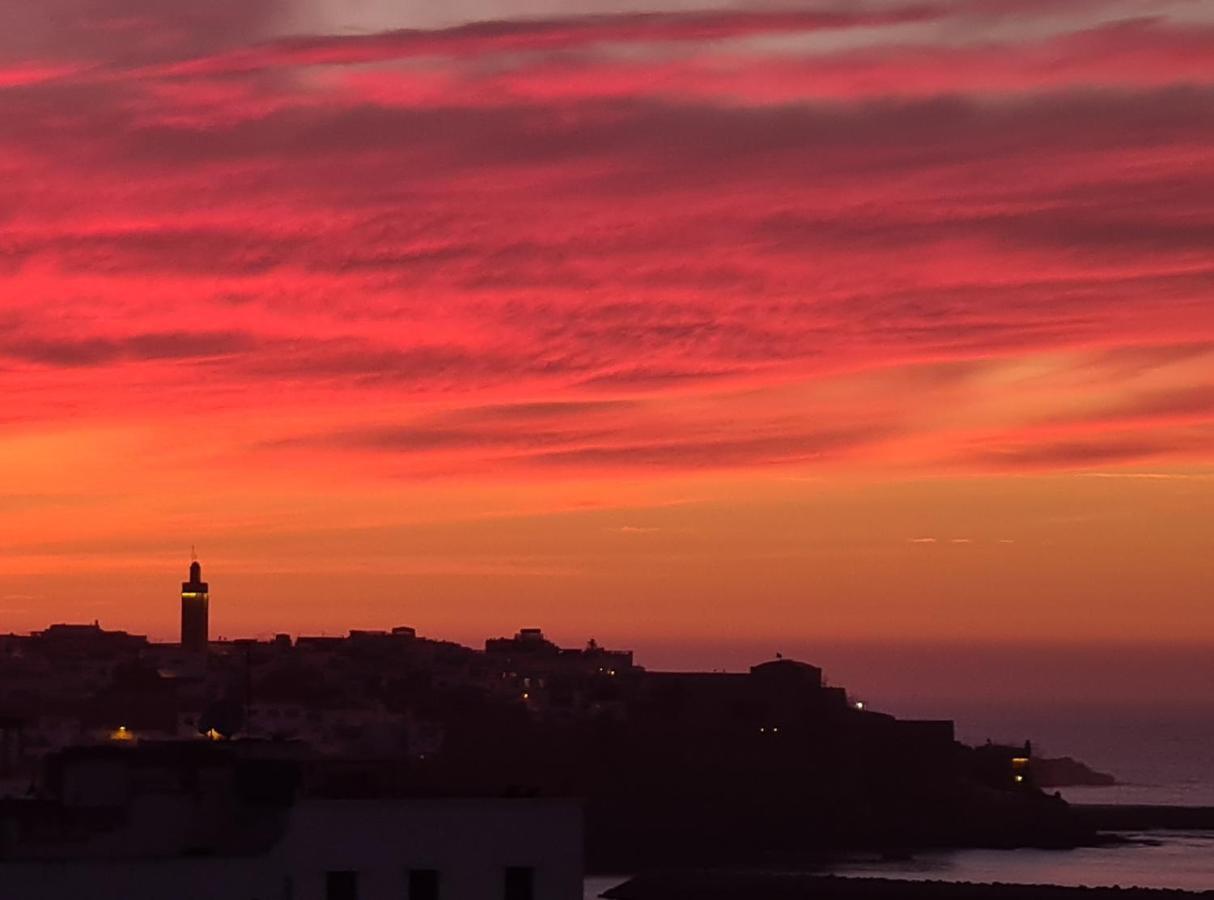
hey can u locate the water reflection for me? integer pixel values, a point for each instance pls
(1160, 859)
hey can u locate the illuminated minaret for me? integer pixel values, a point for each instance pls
(194, 611)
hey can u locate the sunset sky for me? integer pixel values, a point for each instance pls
(687, 326)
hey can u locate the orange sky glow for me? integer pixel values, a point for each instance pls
(770, 327)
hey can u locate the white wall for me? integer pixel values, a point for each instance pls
(470, 842)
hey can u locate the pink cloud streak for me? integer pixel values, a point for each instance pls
(684, 212)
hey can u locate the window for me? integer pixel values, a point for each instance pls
(423, 884)
(519, 883)
(341, 885)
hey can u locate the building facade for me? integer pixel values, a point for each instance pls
(382, 849)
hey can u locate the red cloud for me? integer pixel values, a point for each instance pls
(713, 210)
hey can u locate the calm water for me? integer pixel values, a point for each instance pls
(1162, 859)
(1179, 859)
(1161, 753)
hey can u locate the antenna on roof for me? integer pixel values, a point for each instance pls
(193, 553)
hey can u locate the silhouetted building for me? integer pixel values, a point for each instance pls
(787, 675)
(195, 611)
(10, 744)
(1005, 767)
(528, 642)
(64, 641)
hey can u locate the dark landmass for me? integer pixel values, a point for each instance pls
(1115, 817)
(1067, 772)
(772, 765)
(727, 885)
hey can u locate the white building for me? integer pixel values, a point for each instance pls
(383, 849)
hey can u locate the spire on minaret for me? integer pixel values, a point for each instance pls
(195, 612)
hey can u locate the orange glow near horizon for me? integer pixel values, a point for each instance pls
(801, 325)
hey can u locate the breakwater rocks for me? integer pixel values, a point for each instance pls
(737, 885)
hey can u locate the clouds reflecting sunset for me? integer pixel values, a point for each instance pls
(811, 320)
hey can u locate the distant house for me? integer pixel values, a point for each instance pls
(1003, 766)
(780, 694)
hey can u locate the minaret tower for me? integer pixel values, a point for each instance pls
(195, 603)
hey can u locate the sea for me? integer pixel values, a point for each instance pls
(1161, 752)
